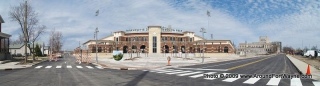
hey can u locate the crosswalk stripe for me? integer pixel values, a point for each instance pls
(79, 66)
(274, 81)
(296, 82)
(231, 79)
(38, 67)
(99, 67)
(145, 70)
(178, 72)
(316, 83)
(58, 67)
(69, 66)
(48, 67)
(252, 80)
(189, 73)
(165, 71)
(89, 67)
(199, 75)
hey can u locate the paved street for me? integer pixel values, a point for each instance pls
(66, 72)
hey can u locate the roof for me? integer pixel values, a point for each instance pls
(1, 20)
(15, 46)
(109, 41)
(4, 35)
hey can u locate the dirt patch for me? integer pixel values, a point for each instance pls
(313, 62)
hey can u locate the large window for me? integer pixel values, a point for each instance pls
(154, 44)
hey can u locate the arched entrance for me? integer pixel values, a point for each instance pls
(183, 49)
(166, 47)
(142, 48)
(225, 49)
(134, 48)
(125, 49)
(175, 49)
(190, 50)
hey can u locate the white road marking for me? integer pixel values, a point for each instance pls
(199, 75)
(316, 83)
(145, 70)
(38, 67)
(165, 71)
(89, 67)
(79, 66)
(296, 82)
(48, 67)
(204, 69)
(274, 81)
(231, 79)
(189, 73)
(58, 67)
(252, 80)
(178, 72)
(69, 66)
(99, 67)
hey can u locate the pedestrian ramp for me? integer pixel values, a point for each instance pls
(195, 74)
(67, 66)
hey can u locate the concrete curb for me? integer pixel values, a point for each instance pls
(5, 69)
(300, 72)
(314, 71)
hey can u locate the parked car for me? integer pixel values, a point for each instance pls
(311, 53)
(59, 55)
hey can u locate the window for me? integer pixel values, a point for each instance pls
(154, 44)
(99, 49)
(171, 38)
(190, 39)
(126, 39)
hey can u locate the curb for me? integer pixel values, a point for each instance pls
(295, 65)
(6, 69)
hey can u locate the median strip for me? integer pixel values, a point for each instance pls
(236, 67)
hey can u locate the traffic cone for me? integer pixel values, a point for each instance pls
(308, 70)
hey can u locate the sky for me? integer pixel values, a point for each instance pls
(293, 22)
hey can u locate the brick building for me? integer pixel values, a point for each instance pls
(157, 39)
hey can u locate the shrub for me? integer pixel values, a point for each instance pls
(117, 57)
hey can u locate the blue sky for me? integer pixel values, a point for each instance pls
(294, 22)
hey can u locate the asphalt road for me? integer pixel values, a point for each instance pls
(184, 76)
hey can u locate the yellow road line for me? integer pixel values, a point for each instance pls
(243, 65)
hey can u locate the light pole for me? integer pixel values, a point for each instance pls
(203, 31)
(96, 38)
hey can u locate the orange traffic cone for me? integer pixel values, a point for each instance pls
(308, 70)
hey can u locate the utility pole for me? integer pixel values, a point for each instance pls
(203, 31)
(25, 32)
(96, 37)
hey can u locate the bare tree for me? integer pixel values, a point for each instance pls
(55, 41)
(26, 17)
(20, 40)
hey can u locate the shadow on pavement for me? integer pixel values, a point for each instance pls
(136, 80)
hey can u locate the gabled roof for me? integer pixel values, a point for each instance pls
(1, 20)
(15, 46)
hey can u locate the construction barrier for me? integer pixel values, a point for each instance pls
(83, 57)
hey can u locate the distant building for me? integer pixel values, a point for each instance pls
(158, 39)
(264, 46)
(4, 43)
(16, 49)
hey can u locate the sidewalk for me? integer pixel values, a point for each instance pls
(302, 67)
(161, 61)
(11, 65)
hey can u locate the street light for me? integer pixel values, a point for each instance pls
(203, 31)
(96, 38)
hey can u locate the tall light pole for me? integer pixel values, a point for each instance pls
(96, 38)
(203, 31)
